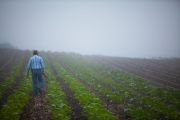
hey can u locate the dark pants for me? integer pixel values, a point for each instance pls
(37, 80)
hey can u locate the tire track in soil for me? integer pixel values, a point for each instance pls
(36, 109)
(15, 85)
(116, 109)
(72, 102)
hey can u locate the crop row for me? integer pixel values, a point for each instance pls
(100, 84)
(140, 100)
(13, 108)
(58, 105)
(93, 79)
(91, 104)
(8, 81)
(149, 107)
(17, 101)
(167, 96)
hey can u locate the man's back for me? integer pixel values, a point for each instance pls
(35, 62)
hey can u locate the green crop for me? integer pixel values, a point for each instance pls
(11, 79)
(17, 101)
(92, 106)
(125, 85)
(58, 104)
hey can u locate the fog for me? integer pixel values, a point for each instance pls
(124, 28)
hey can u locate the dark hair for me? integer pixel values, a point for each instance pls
(35, 52)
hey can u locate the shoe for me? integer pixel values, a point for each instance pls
(40, 91)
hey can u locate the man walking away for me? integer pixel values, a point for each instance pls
(36, 65)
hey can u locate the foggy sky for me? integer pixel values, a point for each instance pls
(112, 28)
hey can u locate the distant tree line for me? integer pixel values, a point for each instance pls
(6, 45)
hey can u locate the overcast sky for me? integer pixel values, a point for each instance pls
(127, 28)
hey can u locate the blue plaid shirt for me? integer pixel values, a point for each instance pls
(35, 62)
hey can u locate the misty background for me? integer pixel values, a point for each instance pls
(125, 28)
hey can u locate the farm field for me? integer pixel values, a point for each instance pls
(81, 87)
(164, 72)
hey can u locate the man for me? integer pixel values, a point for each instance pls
(37, 67)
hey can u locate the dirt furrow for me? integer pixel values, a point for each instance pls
(73, 103)
(36, 109)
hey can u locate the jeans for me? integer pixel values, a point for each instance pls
(37, 80)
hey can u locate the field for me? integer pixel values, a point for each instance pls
(81, 87)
